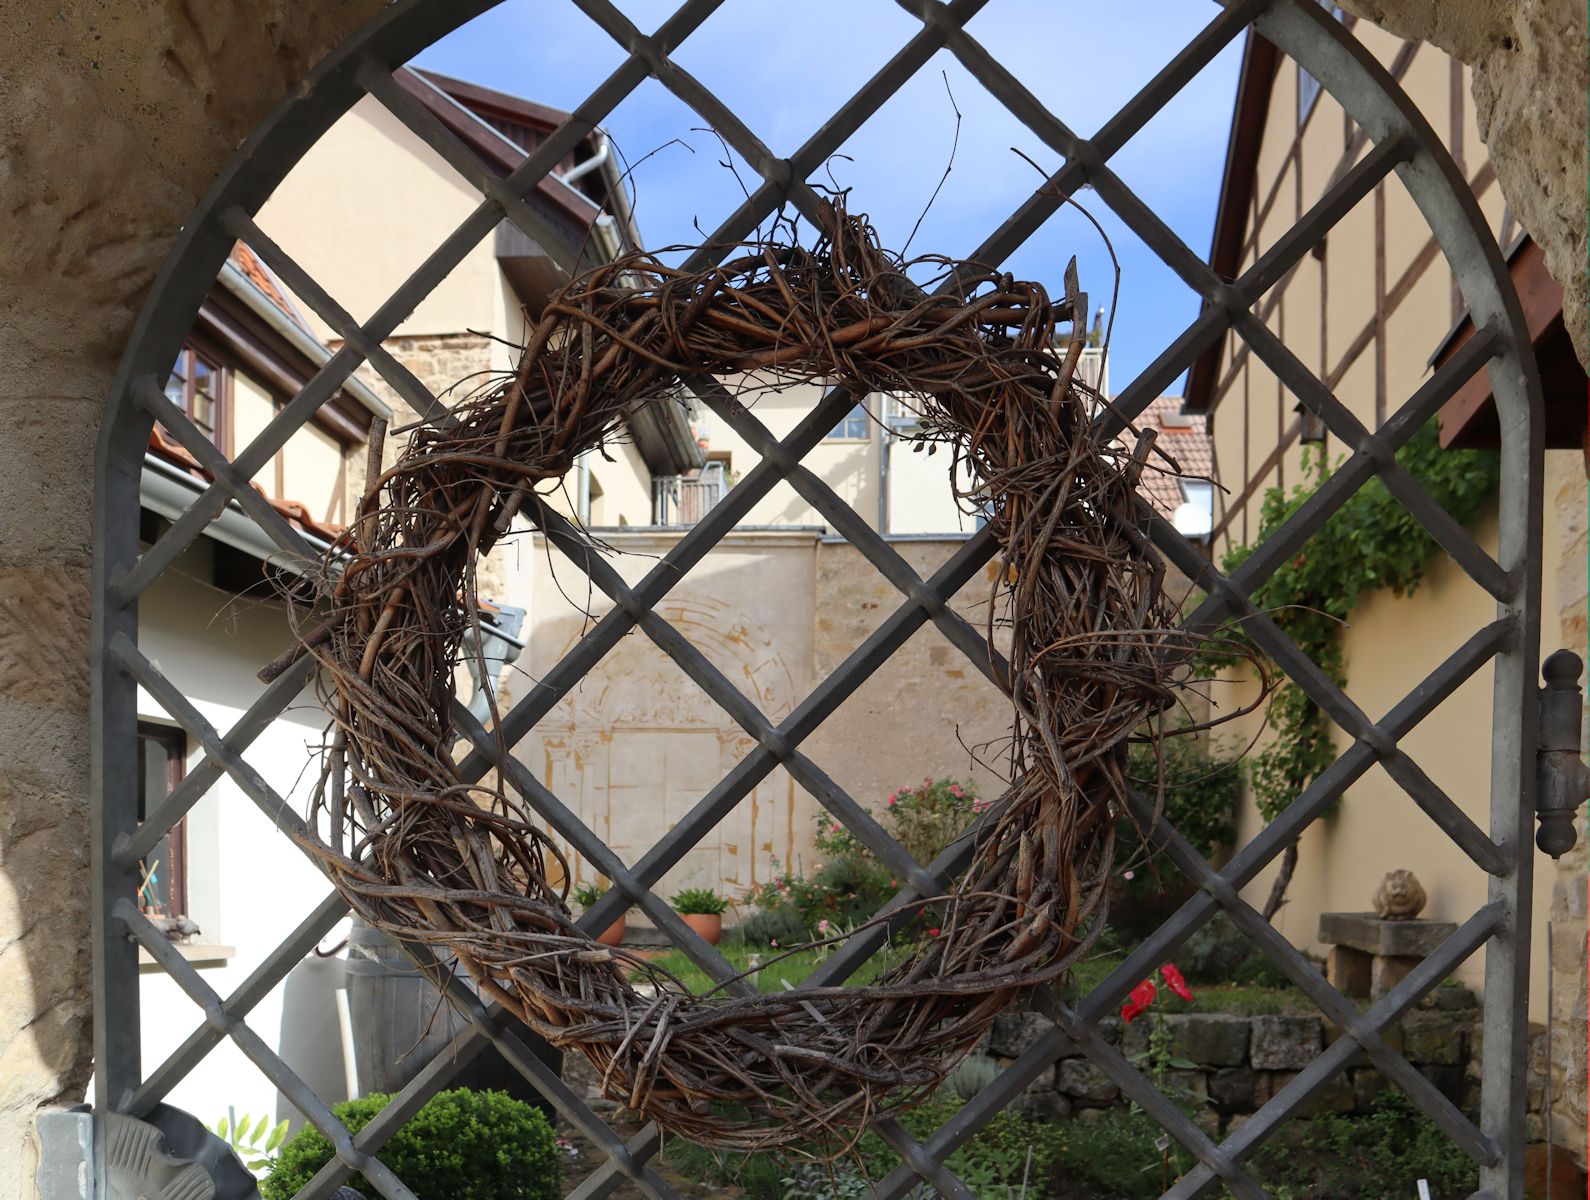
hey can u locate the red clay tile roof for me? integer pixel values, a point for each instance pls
(261, 277)
(167, 449)
(1185, 439)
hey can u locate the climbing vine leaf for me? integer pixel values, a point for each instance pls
(1371, 542)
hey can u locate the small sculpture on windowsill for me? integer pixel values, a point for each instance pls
(1400, 896)
(176, 927)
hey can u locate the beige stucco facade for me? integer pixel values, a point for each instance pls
(312, 468)
(869, 464)
(362, 242)
(636, 745)
(1327, 309)
(1366, 311)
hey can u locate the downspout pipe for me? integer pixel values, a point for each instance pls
(499, 644)
(885, 445)
(618, 193)
(604, 151)
(582, 495)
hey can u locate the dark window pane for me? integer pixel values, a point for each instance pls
(160, 887)
(177, 384)
(203, 413)
(204, 395)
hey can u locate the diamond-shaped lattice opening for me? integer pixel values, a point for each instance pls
(718, 56)
(897, 163)
(396, 132)
(686, 182)
(558, 46)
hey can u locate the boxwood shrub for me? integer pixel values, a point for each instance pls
(463, 1145)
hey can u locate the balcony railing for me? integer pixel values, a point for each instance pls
(677, 500)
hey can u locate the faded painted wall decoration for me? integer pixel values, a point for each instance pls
(639, 744)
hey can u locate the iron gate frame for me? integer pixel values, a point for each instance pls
(1400, 140)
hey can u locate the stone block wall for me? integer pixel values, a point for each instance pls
(450, 365)
(1240, 1062)
(113, 121)
(1567, 514)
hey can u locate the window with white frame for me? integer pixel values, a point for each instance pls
(854, 427)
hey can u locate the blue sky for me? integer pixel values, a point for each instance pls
(785, 65)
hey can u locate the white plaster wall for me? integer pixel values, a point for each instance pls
(249, 886)
(921, 499)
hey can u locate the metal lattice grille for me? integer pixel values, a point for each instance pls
(1402, 142)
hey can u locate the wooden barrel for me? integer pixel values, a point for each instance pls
(401, 1022)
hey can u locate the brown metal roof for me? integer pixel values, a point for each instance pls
(455, 103)
(1469, 419)
(1260, 61)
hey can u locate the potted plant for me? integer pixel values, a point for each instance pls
(702, 910)
(586, 896)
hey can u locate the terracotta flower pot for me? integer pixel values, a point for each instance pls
(708, 925)
(613, 935)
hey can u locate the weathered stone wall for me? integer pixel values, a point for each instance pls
(635, 745)
(113, 119)
(450, 365)
(1530, 79)
(1568, 506)
(1240, 1062)
(928, 710)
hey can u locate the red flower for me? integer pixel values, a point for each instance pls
(1139, 1001)
(933, 933)
(1176, 981)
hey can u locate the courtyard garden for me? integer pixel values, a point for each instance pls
(1220, 1030)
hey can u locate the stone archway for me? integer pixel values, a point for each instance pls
(113, 121)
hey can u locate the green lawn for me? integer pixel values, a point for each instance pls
(791, 967)
(1243, 999)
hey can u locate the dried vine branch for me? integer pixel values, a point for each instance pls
(466, 869)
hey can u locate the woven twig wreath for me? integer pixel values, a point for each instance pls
(466, 869)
